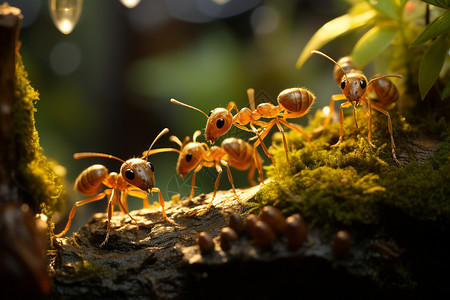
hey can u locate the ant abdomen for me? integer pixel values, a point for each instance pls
(240, 153)
(386, 90)
(90, 180)
(296, 100)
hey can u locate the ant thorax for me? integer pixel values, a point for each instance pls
(268, 110)
(215, 153)
(245, 116)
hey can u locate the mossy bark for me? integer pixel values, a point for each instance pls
(23, 242)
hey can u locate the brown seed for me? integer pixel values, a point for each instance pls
(227, 236)
(250, 222)
(295, 231)
(236, 223)
(342, 243)
(262, 234)
(205, 243)
(273, 217)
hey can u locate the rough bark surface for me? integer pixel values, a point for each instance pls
(144, 264)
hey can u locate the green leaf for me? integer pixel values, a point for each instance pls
(439, 3)
(446, 91)
(387, 7)
(431, 65)
(372, 44)
(439, 26)
(334, 29)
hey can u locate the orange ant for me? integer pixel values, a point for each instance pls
(354, 88)
(292, 103)
(136, 178)
(194, 155)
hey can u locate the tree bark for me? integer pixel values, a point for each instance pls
(22, 244)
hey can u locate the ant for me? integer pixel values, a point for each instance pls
(136, 178)
(354, 88)
(292, 103)
(232, 152)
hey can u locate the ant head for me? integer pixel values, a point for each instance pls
(219, 122)
(139, 173)
(190, 157)
(191, 153)
(354, 87)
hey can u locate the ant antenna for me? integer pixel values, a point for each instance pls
(96, 154)
(197, 133)
(163, 132)
(384, 76)
(188, 106)
(176, 140)
(326, 56)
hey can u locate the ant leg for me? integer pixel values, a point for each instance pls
(230, 179)
(231, 105)
(251, 98)
(369, 137)
(123, 204)
(341, 120)
(191, 195)
(337, 97)
(80, 203)
(292, 126)
(250, 175)
(135, 192)
(286, 150)
(258, 163)
(109, 211)
(123, 200)
(216, 185)
(161, 202)
(261, 137)
(382, 110)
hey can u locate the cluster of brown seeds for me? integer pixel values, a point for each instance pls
(266, 229)
(263, 230)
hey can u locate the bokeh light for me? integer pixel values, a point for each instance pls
(65, 58)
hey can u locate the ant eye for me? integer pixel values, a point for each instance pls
(188, 157)
(129, 174)
(363, 84)
(220, 123)
(150, 165)
(343, 84)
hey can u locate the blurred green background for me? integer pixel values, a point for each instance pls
(106, 86)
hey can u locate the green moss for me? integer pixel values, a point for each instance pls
(355, 183)
(40, 186)
(90, 270)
